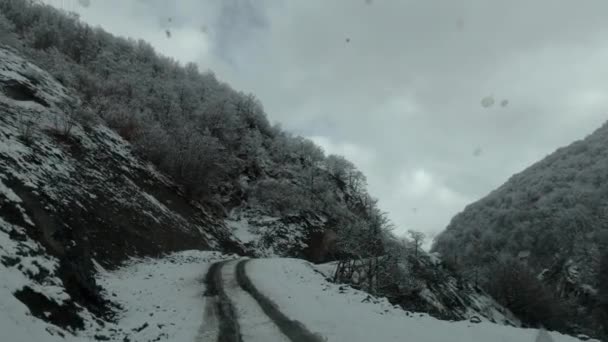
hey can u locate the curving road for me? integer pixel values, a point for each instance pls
(236, 311)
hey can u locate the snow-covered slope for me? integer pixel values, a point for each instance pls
(69, 197)
(340, 313)
(552, 217)
(159, 300)
(423, 284)
(265, 235)
(427, 286)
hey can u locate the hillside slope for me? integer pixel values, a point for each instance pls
(552, 217)
(69, 199)
(424, 284)
(330, 310)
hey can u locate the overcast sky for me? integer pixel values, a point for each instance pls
(397, 86)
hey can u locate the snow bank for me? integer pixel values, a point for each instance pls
(440, 293)
(16, 322)
(242, 230)
(340, 313)
(160, 300)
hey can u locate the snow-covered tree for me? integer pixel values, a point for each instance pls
(7, 32)
(417, 238)
(208, 137)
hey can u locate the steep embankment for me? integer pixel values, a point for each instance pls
(72, 191)
(341, 313)
(425, 284)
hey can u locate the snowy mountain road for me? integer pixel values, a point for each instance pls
(219, 310)
(236, 311)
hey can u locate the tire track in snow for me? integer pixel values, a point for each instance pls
(293, 329)
(222, 307)
(255, 325)
(210, 329)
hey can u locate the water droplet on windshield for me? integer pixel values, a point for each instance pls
(487, 101)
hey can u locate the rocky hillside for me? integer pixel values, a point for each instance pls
(553, 218)
(72, 192)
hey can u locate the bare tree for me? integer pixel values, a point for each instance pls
(65, 122)
(418, 239)
(67, 118)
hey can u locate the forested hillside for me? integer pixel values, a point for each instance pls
(553, 218)
(214, 141)
(196, 153)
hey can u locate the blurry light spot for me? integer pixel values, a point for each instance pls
(84, 3)
(504, 103)
(168, 33)
(487, 101)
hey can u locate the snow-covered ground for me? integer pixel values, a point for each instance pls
(340, 313)
(161, 300)
(242, 230)
(16, 322)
